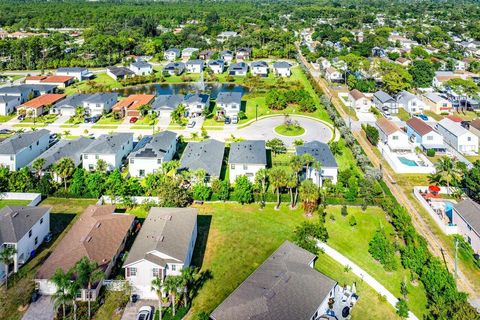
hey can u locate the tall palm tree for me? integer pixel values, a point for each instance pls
(64, 168)
(188, 275)
(317, 165)
(278, 179)
(446, 172)
(291, 183)
(61, 279)
(261, 179)
(6, 257)
(157, 286)
(87, 274)
(307, 159)
(172, 284)
(71, 292)
(296, 163)
(309, 193)
(38, 166)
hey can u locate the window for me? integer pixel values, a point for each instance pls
(41, 220)
(174, 267)
(30, 233)
(469, 240)
(36, 240)
(132, 161)
(90, 167)
(232, 166)
(96, 156)
(159, 161)
(156, 272)
(86, 156)
(11, 158)
(141, 173)
(245, 167)
(395, 138)
(429, 138)
(469, 138)
(131, 272)
(38, 143)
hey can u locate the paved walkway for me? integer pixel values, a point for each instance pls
(131, 310)
(40, 310)
(344, 261)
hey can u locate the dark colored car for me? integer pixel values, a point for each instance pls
(21, 117)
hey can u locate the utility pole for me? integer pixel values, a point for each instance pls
(456, 259)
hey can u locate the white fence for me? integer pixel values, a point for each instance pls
(34, 198)
(119, 200)
(446, 228)
(398, 167)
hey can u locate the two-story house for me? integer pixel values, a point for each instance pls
(217, 66)
(323, 155)
(20, 149)
(206, 155)
(69, 105)
(174, 68)
(171, 54)
(111, 148)
(411, 103)
(196, 103)
(238, 69)
(227, 56)
(436, 103)
(229, 104)
(385, 102)
(392, 136)
(423, 135)
(358, 101)
(8, 104)
(466, 216)
(195, 66)
(99, 103)
(165, 104)
(282, 69)
(259, 68)
(141, 68)
(246, 158)
(457, 136)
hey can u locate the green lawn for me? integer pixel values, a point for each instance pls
(101, 79)
(353, 243)
(403, 114)
(104, 126)
(7, 118)
(30, 125)
(109, 119)
(290, 131)
(4, 203)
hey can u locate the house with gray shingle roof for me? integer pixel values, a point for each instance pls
(228, 103)
(207, 155)
(282, 68)
(323, 155)
(8, 104)
(165, 104)
(195, 66)
(457, 136)
(259, 68)
(78, 72)
(286, 286)
(227, 56)
(20, 149)
(141, 68)
(174, 68)
(171, 54)
(466, 215)
(196, 103)
(151, 152)
(111, 148)
(100, 103)
(162, 248)
(23, 228)
(246, 158)
(385, 102)
(23, 92)
(69, 105)
(217, 66)
(119, 73)
(238, 69)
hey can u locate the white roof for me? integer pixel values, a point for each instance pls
(453, 127)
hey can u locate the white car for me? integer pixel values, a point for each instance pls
(145, 313)
(191, 124)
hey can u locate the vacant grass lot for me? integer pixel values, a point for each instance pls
(100, 79)
(4, 203)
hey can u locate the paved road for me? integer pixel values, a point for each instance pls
(344, 261)
(40, 310)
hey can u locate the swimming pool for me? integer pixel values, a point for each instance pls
(408, 162)
(448, 210)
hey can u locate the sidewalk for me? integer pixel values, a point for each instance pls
(344, 261)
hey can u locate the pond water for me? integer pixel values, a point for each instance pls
(162, 89)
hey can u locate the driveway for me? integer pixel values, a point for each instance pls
(40, 310)
(131, 310)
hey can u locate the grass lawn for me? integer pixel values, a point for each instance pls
(290, 131)
(4, 203)
(472, 159)
(47, 118)
(109, 119)
(233, 240)
(104, 126)
(30, 125)
(66, 125)
(435, 116)
(101, 79)
(7, 118)
(353, 243)
(403, 114)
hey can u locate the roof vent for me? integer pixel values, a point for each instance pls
(89, 239)
(98, 225)
(269, 294)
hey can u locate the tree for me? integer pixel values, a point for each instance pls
(157, 286)
(446, 172)
(422, 73)
(404, 288)
(88, 273)
(61, 279)
(307, 159)
(243, 190)
(101, 165)
(172, 284)
(77, 185)
(396, 81)
(372, 134)
(335, 148)
(172, 192)
(276, 145)
(296, 163)
(309, 194)
(307, 234)
(188, 275)
(402, 308)
(38, 166)
(6, 258)
(383, 250)
(278, 179)
(64, 168)
(291, 183)
(261, 179)
(71, 294)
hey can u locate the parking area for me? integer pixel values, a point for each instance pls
(42, 309)
(131, 309)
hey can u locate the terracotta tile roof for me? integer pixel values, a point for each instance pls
(57, 79)
(44, 100)
(35, 78)
(357, 94)
(387, 126)
(455, 118)
(98, 234)
(419, 126)
(134, 102)
(475, 124)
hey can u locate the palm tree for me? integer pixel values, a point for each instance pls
(144, 109)
(310, 195)
(335, 148)
(291, 183)
(171, 284)
(317, 165)
(6, 257)
(296, 163)
(446, 172)
(64, 168)
(157, 286)
(87, 274)
(261, 179)
(187, 276)
(307, 159)
(71, 292)
(38, 166)
(61, 279)
(278, 179)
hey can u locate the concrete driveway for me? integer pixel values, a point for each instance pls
(131, 310)
(40, 310)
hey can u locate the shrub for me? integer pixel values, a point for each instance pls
(402, 308)
(383, 250)
(372, 134)
(201, 192)
(431, 153)
(243, 190)
(352, 221)
(307, 233)
(344, 211)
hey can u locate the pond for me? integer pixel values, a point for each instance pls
(163, 89)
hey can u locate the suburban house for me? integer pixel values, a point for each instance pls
(475, 127)
(171, 54)
(423, 135)
(227, 56)
(99, 103)
(130, 106)
(229, 104)
(38, 106)
(217, 66)
(20, 149)
(246, 158)
(141, 68)
(163, 247)
(358, 101)
(411, 103)
(98, 234)
(403, 62)
(206, 54)
(385, 102)
(151, 152)
(111, 148)
(69, 105)
(392, 136)
(457, 136)
(206, 155)
(443, 76)
(59, 81)
(282, 69)
(259, 68)
(166, 104)
(238, 69)
(195, 66)
(174, 68)
(72, 149)
(27, 91)
(8, 104)
(196, 103)
(466, 216)
(188, 53)
(286, 286)
(119, 73)
(436, 103)
(23, 228)
(225, 35)
(333, 75)
(328, 165)
(78, 73)
(243, 54)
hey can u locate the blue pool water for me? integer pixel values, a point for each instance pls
(448, 210)
(408, 162)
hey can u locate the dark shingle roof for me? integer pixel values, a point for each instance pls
(154, 147)
(282, 65)
(167, 102)
(101, 97)
(16, 221)
(218, 62)
(120, 71)
(141, 64)
(6, 99)
(238, 66)
(469, 210)
(75, 69)
(320, 151)
(17, 142)
(196, 98)
(166, 230)
(72, 149)
(108, 143)
(207, 155)
(73, 101)
(284, 287)
(248, 152)
(383, 96)
(259, 64)
(229, 97)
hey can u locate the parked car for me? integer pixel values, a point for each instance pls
(191, 124)
(227, 120)
(145, 313)
(234, 119)
(21, 117)
(5, 131)
(92, 119)
(423, 117)
(133, 119)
